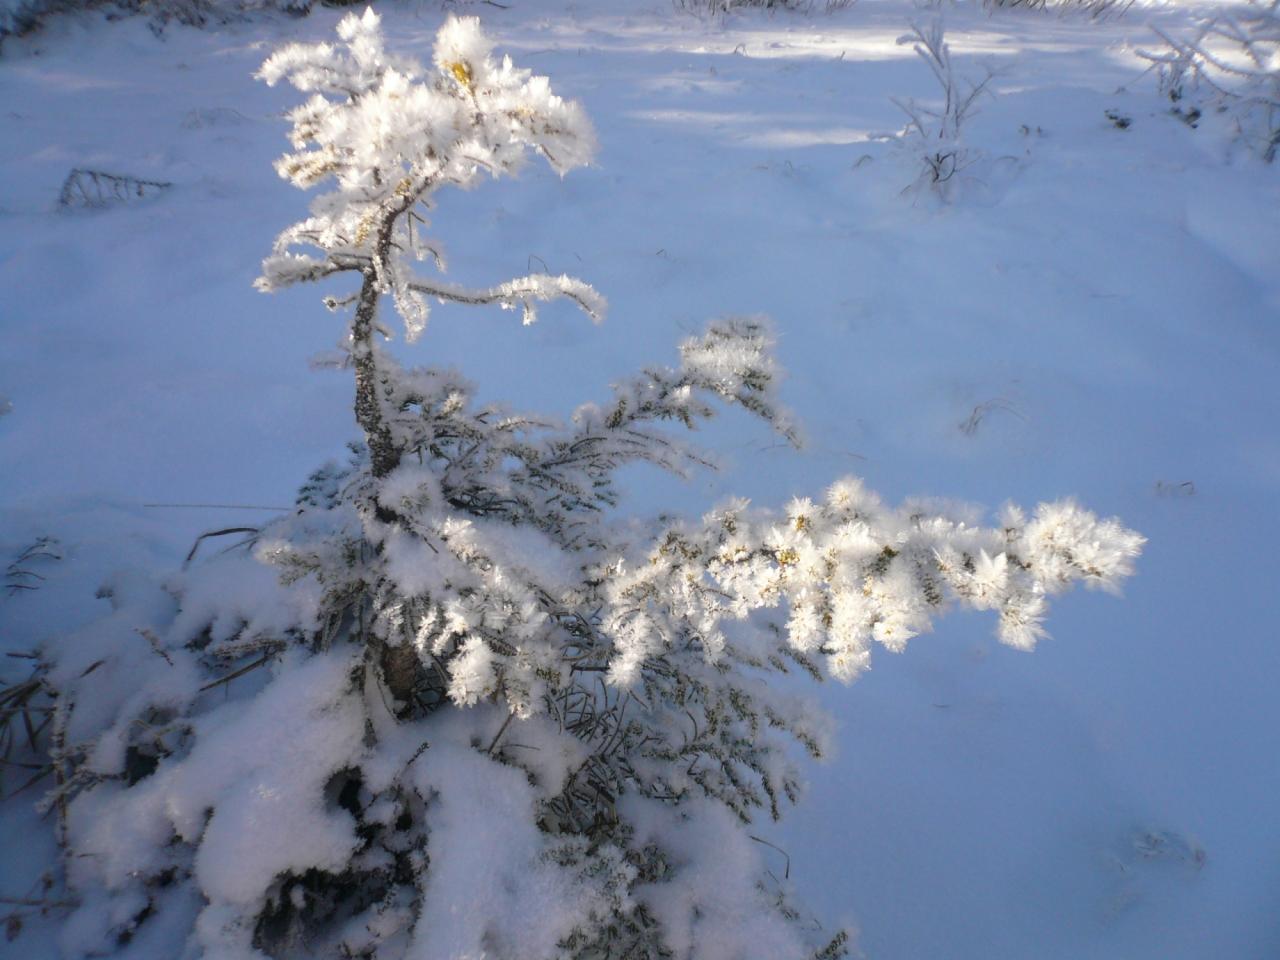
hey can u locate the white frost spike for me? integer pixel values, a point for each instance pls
(1066, 542)
(471, 674)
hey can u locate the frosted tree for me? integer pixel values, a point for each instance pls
(449, 707)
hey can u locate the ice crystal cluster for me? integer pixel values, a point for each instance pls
(450, 707)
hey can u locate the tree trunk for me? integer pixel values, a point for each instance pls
(383, 455)
(399, 663)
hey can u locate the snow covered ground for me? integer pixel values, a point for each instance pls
(1095, 313)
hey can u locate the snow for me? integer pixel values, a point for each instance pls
(255, 812)
(1097, 311)
(494, 893)
(712, 908)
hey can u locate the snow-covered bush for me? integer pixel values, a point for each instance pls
(937, 135)
(449, 707)
(1229, 66)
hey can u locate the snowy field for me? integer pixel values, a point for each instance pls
(1094, 313)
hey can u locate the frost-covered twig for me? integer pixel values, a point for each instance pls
(849, 571)
(938, 133)
(24, 715)
(1230, 64)
(524, 291)
(717, 7)
(1095, 9)
(20, 575)
(93, 188)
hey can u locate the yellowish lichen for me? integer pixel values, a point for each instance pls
(461, 72)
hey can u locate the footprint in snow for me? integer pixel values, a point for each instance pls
(1147, 862)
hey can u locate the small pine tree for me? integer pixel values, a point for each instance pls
(448, 707)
